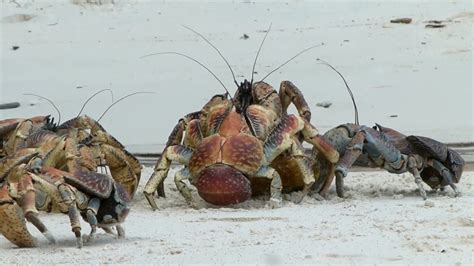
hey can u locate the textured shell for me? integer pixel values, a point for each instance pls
(91, 183)
(223, 185)
(429, 148)
(456, 163)
(243, 152)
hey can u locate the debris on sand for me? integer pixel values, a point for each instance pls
(435, 23)
(435, 26)
(15, 47)
(401, 20)
(17, 18)
(244, 37)
(9, 105)
(324, 104)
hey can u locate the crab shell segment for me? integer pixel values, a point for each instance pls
(12, 221)
(223, 185)
(222, 163)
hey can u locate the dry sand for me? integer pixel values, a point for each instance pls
(385, 221)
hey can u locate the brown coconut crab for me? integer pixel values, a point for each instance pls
(25, 189)
(233, 144)
(95, 147)
(428, 160)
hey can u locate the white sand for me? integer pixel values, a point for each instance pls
(385, 221)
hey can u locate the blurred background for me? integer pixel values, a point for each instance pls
(414, 76)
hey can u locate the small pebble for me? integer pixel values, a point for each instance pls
(429, 203)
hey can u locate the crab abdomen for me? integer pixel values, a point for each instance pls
(220, 167)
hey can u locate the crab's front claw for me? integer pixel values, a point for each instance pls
(12, 221)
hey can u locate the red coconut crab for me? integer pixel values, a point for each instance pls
(234, 147)
(428, 160)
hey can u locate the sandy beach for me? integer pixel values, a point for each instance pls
(411, 77)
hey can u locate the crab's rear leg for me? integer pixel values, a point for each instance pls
(177, 153)
(447, 176)
(68, 197)
(179, 179)
(276, 185)
(91, 218)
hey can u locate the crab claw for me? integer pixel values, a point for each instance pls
(223, 185)
(12, 221)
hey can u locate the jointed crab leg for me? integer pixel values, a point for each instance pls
(176, 153)
(68, 198)
(289, 93)
(448, 178)
(275, 186)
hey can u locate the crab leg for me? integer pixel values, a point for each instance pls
(28, 202)
(447, 176)
(91, 212)
(122, 172)
(177, 153)
(179, 178)
(18, 141)
(12, 221)
(413, 169)
(311, 135)
(68, 197)
(282, 139)
(395, 161)
(289, 93)
(275, 186)
(352, 152)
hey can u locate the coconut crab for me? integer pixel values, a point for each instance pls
(223, 158)
(230, 145)
(428, 160)
(95, 146)
(96, 197)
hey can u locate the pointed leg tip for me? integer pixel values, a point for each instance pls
(151, 201)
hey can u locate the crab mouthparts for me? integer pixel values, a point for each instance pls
(223, 185)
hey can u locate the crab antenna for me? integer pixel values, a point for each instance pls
(258, 52)
(356, 111)
(217, 50)
(123, 98)
(93, 95)
(189, 57)
(51, 102)
(287, 61)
